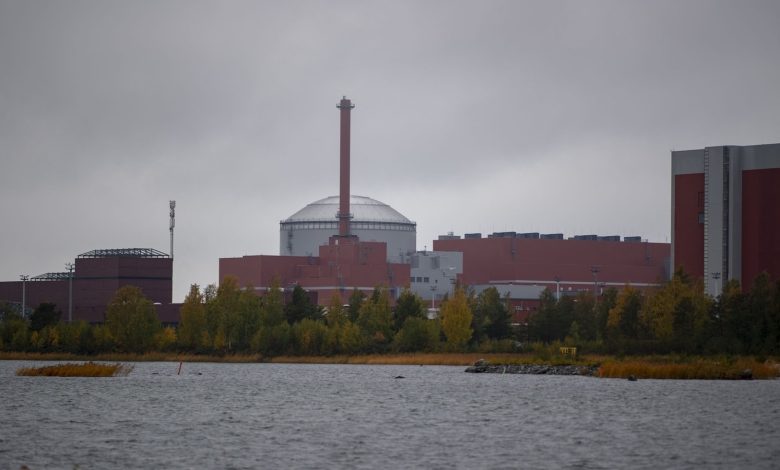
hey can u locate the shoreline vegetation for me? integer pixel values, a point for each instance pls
(70, 369)
(673, 331)
(646, 367)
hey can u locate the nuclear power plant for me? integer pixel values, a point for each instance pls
(338, 244)
(725, 213)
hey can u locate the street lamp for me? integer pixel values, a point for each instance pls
(70, 267)
(595, 270)
(557, 288)
(24, 278)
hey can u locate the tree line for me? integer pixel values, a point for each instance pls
(233, 320)
(676, 317)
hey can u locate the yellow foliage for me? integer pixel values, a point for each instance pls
(456, 319)
(88, 369)
(698, 369)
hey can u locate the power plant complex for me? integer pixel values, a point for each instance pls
(725, 225)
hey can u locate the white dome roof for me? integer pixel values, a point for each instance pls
(363, 209)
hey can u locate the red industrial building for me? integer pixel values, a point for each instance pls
(565, 266)
(726, 213)
(502, 259)
(343, 265)
(96, 277)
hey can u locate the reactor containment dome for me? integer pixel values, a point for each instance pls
(304, 232)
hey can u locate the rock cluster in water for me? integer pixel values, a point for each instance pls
(481, 366)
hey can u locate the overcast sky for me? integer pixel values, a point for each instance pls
(473, 116)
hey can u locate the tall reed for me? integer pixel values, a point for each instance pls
(695, 369)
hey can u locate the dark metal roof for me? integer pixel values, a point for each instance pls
(125, 253)
(51, 277)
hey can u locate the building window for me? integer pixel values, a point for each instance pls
(701, 217)
(425, 279)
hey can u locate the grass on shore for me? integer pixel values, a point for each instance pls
(703, 369)
(87, 369)
(649, 367)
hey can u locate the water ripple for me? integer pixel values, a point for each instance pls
(305, 416)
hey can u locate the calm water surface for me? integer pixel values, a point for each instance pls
(342, 416)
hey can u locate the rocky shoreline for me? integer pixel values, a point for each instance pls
(482, 367)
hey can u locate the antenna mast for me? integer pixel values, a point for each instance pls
(172, 205)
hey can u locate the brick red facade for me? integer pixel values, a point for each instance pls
(689, 223)
(541, 261)
(760, 224)
(95, 283)
(342, 265)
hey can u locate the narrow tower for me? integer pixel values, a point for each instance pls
(172, 205)
(344, 215)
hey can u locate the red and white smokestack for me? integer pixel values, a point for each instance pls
(344, 215)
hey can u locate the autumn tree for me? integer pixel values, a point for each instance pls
(456, 318)
(193, 332)
(273, 335)
(376, 320)
(132, 320)
(623, 324)
(417, 334)
(355, 302)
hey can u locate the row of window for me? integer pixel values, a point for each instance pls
(420, 279)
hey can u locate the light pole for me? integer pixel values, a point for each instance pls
(433, 297)
(24, 278)
(595, 271)
(557, 288)
(70, 267)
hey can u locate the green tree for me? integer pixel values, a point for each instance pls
(273, 335)
(376, 319)
(585, 317)
(456, 320)
(132, 321)
(542, 323)
(246, 320)
(193, 332)
(495, 314)
(14, 331)
(623, 322)
(356, 300)
(44, 315)
(336, 311)
(760, 316)
(606, 303)
(408, 305)
(308, 336)
(301, 306)
(417, 334)
(351, 340)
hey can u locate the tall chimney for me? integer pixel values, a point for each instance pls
(344, 215)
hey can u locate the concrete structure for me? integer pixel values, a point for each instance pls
(434, 274)
(726, 213)
(98, 274)
(304, 232)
